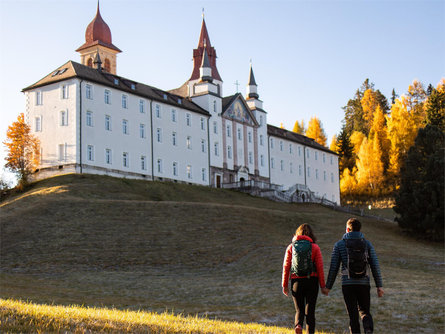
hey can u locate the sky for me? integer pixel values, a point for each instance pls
(308, 57)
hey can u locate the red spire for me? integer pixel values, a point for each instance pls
(204, 41)
(98, 32)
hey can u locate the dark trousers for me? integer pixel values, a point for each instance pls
(304, 294)
(358, 299)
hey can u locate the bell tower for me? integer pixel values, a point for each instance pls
(98, 41)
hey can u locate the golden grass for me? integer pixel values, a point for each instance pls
(29, 317)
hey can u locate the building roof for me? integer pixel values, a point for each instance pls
(251, 78)
(296, 137)
(72, 69)
(98, 33)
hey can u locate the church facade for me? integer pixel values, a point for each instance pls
(89, 119)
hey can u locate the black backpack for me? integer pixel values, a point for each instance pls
(357, 250)
(302, 258)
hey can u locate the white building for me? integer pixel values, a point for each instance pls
(91, 120)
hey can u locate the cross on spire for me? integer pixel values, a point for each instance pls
(236, 83)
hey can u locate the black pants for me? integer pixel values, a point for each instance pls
(358, 299)
(304, 294)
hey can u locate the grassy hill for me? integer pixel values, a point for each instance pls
(101, 241)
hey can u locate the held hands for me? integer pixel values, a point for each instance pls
(325, 291)
(380, 292)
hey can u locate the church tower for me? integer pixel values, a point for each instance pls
(204, 49)
(98, 41)
(252, 97)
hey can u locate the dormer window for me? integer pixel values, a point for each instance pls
(133, 86)
(179, 101)
(165, 96)
(116, 81)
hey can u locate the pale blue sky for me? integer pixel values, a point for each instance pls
(309, 57)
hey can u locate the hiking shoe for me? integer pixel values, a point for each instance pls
(298, 329)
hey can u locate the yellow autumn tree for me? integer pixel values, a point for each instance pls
(299, 127)
(357, 138)
(348, 182)
(369, 104)
(402, 131)
(378, 134)
(22, 150)
(333, 147)
(282, 125)
(315, 131)
(369, 168)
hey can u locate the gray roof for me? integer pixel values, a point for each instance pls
(72, 69)
(251, 78)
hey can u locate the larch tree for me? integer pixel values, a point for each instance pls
(315, 131)
(348, 183)
(22, 150)
(299, 127)
(333, 146)
(369, 168)
(378, 134)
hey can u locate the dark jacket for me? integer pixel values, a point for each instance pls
(340, 256)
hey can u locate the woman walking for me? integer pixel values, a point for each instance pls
(304, 263)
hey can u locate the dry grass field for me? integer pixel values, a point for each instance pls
(133, 245)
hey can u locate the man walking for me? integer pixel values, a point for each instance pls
(355, 254)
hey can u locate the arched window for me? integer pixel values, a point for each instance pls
(90, 62)
(107, 65)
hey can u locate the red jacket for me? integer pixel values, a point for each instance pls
(316, 258)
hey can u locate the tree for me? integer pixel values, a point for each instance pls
(354, 119)
(378, 134)
(345, 150)
(420, 198)
(435, 107)
(333, 147)
(348, 183)
(394, 96)
(22, 150)
(299, 127)
(369, 168)
(315, 131)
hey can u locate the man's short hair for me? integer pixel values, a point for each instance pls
(354, 224)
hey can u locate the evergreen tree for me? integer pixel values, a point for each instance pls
(435, 108)
(345, 151)
(394, 96)
(354, 118)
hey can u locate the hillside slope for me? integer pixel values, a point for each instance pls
(102, 241)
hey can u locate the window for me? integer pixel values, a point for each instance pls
(316, 155)
(299, 151)
(307, 153)
(64, 91)
(309, 172)
(38, 124)
(124, 101)
(202, 124)
(239, 134)
(261, 140)
(159, 135)
(89, 118)
(133, 86)
(143, 162)
(281, 145)
(62, 152)
(108, 156)
(174, 141)
(179, 101)
(116, 80)
(249, 136)
(216, 148)
(250, 158)
(64, 118)
(188, 119)
(290, 148)
(281, 165)
(262, 160)
(271, 142)
(331, 160)
(39, 98)
(324, 175)
(107, 96)
(125, 127)
(158, 111)
(203, 146)
(165, 96)
(229, 152)
(215, 128)
(261, 120)
(90, 153)
(189, 142)
(142, 130)
(324, 158)
(89, 92)
(173, 115)
(107, 122)
(203, 174)
(125, 159)
(299, 170)
(141, 106)
(332, 177)
(316, 174)
(189, 171)
(272, 163)
(291, 170)
(214, 106)
(175, 169)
